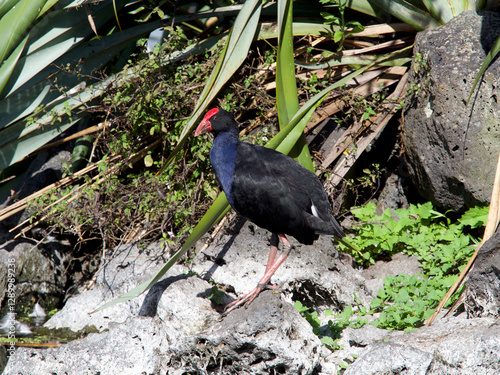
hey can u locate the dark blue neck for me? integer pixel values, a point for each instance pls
(223, 159)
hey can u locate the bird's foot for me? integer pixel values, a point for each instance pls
(272, 266)
(249, 297)
(245, 300)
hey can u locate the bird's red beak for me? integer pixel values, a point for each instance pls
(205, 125)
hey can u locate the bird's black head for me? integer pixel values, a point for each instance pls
(216, 120)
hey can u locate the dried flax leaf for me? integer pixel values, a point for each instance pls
(390, 76)
(391, 44)
(384, 28)
(376, 127)
(90, 18)
(369, 83)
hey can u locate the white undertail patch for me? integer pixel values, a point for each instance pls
(314, 210)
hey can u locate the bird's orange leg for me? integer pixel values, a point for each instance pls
(273, 251)
(272, 265)
(272, 255)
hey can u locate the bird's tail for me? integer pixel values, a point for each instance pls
(331, 227)
(349, 245)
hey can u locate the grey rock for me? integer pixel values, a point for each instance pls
(125, 269)
(482, 292)
(352, 344)
(451, 148)
(392, 195)
(391, 358)
(175, 329)
(38, 268)
(268, 337)
(185, 334)
(366, 335)
(185, 305)
(318, 275)
(129, 266)
(131, 348)
(451, 346)
(399, 264)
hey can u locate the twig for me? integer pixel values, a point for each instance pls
(23, 203)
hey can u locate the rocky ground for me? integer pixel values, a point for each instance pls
(177, 326)
(176, 329)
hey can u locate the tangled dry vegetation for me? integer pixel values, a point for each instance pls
(120, 197)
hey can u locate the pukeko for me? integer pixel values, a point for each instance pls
(268, 188)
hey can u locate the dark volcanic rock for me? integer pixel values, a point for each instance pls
(39, 269)
(45, 169)
(452, 149)
(482, 293)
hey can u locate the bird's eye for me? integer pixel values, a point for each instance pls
(215, 117)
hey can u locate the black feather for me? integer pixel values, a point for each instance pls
(269, 188)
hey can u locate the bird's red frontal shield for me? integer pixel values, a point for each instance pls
(205, 126)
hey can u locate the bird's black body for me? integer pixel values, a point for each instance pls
(267, 187)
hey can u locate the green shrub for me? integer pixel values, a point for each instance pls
(443, 248)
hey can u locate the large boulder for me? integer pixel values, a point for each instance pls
(319, 276)
(453, 346)
(482, 292)
(269, 337)
(175, 328)
(451, 148)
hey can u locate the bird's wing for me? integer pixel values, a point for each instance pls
(275, 191)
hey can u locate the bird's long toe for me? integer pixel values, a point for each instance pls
(245, 300)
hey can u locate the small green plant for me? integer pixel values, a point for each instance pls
(418, 230)
(330, 333)
(368, 113)
(442, 249)
(420, 63)
(371, 176)
(216, 296)
(345, 28)
(313, 84)
(405, 302)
